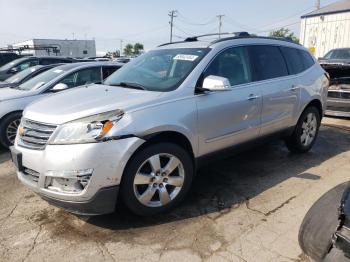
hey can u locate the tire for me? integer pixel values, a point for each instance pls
(8, 128)
(305, 129)
(320, 223)
(157, 190)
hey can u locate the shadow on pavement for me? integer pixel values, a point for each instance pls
(235, 179)
(4, 155)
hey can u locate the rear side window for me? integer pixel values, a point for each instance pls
(267, 62)
(108, 70)
(294, 60)
(307, 59)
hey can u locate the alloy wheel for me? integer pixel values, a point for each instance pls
(159, 180)
(309, 129)
(11, 130)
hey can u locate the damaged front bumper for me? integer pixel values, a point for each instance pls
(82, 178)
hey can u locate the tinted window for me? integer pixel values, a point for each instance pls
(267, 62)
(108, 70)
(49, 61)
(338, 54)
(307, 59)
(293, 59)
(232, 64)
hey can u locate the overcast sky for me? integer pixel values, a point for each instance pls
(143, 21)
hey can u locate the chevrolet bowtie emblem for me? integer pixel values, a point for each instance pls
(21, 131)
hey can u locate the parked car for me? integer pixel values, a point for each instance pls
(14, 100)
(25, 75)
(6, 57)
(20, 64)
(141, 135)
(325, 230)
(123, 60)
(337, 63)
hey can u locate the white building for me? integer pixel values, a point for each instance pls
(326, 28)
(53, 47)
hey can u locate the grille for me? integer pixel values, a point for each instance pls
(338, 108)
(31, 175)
(339, 94)
(34, 135)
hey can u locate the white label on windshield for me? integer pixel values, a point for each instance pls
(186, 57)
(58, 71)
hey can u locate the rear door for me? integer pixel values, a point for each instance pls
(280, 90)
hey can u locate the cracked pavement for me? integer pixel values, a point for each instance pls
(246, 207)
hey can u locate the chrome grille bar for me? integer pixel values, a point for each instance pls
(34, 135)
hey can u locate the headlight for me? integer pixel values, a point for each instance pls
(86, 130)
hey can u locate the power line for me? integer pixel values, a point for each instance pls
(184, 19)
(288, 17)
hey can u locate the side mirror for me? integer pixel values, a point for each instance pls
(216, 83)
(13, 70)
(59, 87)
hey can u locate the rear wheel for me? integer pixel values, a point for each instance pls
(306, 131)
(8, 129)
(156, 179)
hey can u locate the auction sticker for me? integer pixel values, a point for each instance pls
(186, 57)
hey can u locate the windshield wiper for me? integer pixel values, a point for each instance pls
(130, 85)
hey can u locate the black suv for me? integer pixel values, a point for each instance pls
(23, 63)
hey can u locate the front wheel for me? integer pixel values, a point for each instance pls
(156, 179)
(8, 129)
(306, 131)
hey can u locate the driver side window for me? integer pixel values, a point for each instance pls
(233, 64)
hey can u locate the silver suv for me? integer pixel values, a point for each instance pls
(141, 135)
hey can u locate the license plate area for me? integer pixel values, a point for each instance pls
(16, 157)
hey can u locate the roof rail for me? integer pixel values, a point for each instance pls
(236, 35)
(286, 39)
(195, 38)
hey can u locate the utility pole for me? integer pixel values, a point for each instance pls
(220, 23)
(318, 4)
(121, 47)
(172, 15)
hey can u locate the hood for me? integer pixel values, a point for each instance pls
(86, 101)
(5, 84)
(10, 93)
(335, 62)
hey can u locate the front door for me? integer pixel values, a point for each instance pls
(226, 118)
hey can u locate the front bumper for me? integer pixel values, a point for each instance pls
(338, 107)
(103, 202)
(107, 160)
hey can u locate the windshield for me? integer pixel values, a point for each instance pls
(158, 70)
(338, 54)
(21, 75)
(42, 79)
(12, 64)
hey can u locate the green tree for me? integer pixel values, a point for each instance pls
(138, 48)
(286, 33)
(128, 50)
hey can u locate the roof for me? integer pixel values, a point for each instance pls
(335, 8)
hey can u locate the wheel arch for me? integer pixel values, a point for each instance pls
(317, 104)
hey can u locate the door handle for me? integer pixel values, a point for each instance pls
(294, 88)
(252, 97)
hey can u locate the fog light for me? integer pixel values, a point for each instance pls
(68, 181)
